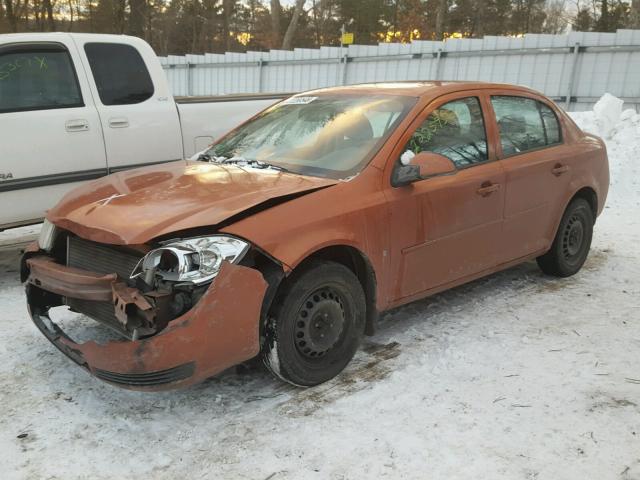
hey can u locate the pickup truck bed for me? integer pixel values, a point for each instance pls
(204, 119)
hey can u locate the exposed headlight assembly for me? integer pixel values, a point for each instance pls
(47, 236)
(196, 260)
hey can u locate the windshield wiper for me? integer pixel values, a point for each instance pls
(241, 161)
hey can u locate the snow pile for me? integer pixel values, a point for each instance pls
(608, 119)
(621, 130)
(607, 112)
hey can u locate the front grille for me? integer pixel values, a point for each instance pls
(103, 259)
(149, 379)
(100, 258)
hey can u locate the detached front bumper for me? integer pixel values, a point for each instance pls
(220, 331)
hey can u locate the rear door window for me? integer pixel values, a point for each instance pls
(524, 124)
(120, 73)
(37, 77)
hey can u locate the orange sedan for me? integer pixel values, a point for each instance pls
(293, 232)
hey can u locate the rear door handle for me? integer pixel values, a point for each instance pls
(487, 188)
(119, 122)
(559, 169)
(76, 125)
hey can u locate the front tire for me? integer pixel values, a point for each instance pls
(572, 243)
(316, 324)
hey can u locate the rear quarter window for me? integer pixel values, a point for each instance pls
(551, 124)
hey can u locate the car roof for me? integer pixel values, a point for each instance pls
(419, 88)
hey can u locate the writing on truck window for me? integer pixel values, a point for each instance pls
(37, 79)
(33, 63)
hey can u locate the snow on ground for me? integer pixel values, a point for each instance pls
(516, 376)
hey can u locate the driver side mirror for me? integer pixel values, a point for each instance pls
(420, 166)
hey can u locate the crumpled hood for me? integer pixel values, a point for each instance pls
(135, 206)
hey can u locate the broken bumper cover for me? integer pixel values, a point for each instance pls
(220, 331)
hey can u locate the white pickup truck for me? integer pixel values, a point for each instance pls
(74, 107)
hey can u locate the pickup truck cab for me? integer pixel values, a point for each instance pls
(76, 107)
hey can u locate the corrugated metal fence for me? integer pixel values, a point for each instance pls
(574, 69)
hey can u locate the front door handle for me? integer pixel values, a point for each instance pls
(559, 169)
(77, 125)
(487, 188)
(119, 122)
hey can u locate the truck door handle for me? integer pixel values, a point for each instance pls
(119, 122)
(559, 169)
(77, 125)
(487, 188)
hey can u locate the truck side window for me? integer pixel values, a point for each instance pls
(455, 130)
(121, 76)
(37, 77)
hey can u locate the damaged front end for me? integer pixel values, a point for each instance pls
(185, 309)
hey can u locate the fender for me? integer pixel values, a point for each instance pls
(316, 240)
(576, 186)
(293, 231)
(591, 171)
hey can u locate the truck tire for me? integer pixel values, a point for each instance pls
(316, 324)
(572, 243)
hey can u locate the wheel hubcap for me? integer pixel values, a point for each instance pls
(320, 323)
(573, 237)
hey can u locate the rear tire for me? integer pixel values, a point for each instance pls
(572, 243)
(316, 324)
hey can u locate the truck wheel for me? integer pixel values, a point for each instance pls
(572, 243)
(316, 324)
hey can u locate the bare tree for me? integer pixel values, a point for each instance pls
(136, 17)
(321, 12)
(557, 17)
(634, 14)
(440, 18)
(275, 23)
(228, 7)
(11, 15)
(293, 25)
(48, 7)
(481, 6)
(70, 4)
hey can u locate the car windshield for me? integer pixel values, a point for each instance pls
(331, 136)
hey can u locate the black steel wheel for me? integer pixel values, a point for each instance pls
(316, 324)
(320, 323)
(571, 245)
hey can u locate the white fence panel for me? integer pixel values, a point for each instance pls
(574, 69)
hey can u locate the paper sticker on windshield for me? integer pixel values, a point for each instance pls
(299, 100)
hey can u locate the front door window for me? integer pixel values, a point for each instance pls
(455, 130)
